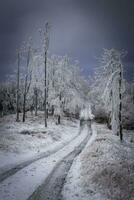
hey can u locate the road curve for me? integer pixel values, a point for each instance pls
(12, 170)
(49, 172)
(52, 186)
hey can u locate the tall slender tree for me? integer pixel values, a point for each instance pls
(18, 86)
(110, 80)
(36, 100)
(120, 101)
(27, 80)
(45, 39)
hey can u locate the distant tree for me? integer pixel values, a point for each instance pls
(8, 97)
(67, 88)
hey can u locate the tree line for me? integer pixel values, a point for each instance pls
(56, 85)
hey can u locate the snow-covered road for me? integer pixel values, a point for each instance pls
(27, 180)
(12, 169)
(72, 189)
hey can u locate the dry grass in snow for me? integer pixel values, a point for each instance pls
(107, 168)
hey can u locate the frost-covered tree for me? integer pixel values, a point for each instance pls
(113, 90)
(37, 82)
(27, 73)
(132, 92)
(18, 86)
(45, 40)
(7, 97)
(66, 85)
(53, 82)
(128, 107)
(109, 83)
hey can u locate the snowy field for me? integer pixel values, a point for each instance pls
(21, 141)
(104, 170)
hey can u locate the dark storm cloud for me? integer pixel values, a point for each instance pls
(10, 17)
(80, 28)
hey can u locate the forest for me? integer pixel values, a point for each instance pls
(65, 135)
(56, 85)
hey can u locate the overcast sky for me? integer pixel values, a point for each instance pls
(79, 28)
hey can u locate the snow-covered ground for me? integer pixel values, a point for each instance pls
(21, 141)
(104, 170)
(23, 183)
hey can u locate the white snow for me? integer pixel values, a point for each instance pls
(104, 170)
(72, 189)
(16, 147)
(86, 113)
(22, 184)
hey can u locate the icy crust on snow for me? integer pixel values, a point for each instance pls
(22, 184)
(21, 141)
(103, 171)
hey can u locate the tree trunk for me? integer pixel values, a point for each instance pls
(58, 119)
(26, 86)
(45, 92)
(24, 108)
(132, 93)
(18, 83)
(52, 110)
(120, 104)
(36, 101)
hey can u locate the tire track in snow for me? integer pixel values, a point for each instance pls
(24, 164)
(52, 186)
